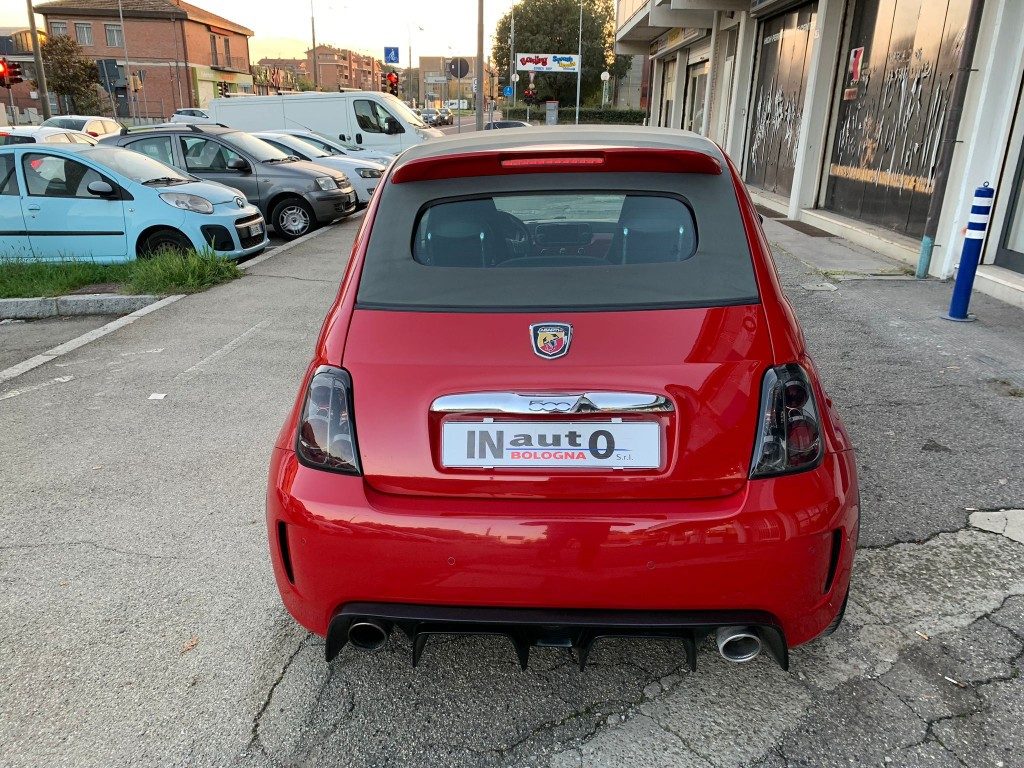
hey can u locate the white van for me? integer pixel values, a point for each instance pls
(364, 118)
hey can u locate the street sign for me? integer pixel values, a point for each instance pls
(391, 56)
(547, 62)
(507, 90)
(458, 68)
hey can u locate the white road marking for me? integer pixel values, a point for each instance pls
(227, 349)
(34, 387)
(158, 396)
(69, 346)
(34, 362)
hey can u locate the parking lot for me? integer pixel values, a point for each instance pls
(142, 624)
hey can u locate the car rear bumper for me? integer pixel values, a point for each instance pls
(782, 547)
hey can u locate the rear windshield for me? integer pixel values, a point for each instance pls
(64, 122)
(15, 138)
(558, 242)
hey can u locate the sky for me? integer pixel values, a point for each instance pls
(436, 27)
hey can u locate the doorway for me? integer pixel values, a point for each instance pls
(696, 90)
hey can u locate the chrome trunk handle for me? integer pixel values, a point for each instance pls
(527, 404)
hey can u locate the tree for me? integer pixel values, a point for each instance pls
(552, 26)
(72, 76)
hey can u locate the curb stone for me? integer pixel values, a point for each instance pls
(74, 305)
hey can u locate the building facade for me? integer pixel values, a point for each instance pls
(836, 113)
(339, 68)
(178, 55)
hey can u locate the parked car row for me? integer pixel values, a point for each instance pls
(64, 195)
(291, 179)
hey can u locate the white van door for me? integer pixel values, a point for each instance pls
(376, 127)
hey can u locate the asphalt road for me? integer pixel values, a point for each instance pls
(140, 625)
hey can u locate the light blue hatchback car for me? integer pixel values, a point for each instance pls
(107, 204)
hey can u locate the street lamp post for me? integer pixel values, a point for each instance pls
(605, 77)
(44, 96)
(579, 71)
(316, 58)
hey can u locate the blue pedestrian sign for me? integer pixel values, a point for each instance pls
(507, 90)
(391, 55)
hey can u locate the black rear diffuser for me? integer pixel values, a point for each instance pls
(568, 628)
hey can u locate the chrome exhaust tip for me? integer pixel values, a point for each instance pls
(738, 644)
(368, 634)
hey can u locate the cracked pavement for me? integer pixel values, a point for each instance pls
(139, 622)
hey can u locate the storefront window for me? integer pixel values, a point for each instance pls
(899, 67)
(784, 52)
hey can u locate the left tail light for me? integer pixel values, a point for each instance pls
(789, 433)
(327, 431)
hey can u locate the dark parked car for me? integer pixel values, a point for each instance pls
(506, 124)
(294, 196)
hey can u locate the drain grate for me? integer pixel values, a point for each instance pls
(806, 228)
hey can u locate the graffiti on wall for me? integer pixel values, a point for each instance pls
(775, 123)
(777, 109)
(902, 60)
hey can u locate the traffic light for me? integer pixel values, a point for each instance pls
(383, 82)
(393, 83)
(5, 71)
(222, 89)
(15, 74)
(530, 96)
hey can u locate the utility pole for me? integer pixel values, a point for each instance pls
(579, 71)
(480, 64)
(512, 56)
(316, 62)
(129, 82)
(44, 96)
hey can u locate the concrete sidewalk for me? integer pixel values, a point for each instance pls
(142, 625)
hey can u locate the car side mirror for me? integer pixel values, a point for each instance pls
(392, 126)
(238, 164)
(100, 189)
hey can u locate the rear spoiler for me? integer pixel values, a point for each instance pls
(557, 160)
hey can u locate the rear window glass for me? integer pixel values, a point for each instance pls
(558, 242)
(583, 229)
(15, 138)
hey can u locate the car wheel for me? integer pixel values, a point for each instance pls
(162, 241)
(293, 218)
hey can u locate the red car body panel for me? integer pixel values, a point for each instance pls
(709, 362)
(695, 534)
(349, 543)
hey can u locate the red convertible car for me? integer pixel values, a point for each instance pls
(560, 396)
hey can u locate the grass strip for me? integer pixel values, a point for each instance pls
(164, 273)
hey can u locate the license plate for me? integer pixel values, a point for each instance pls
(255, 229)
(551, 444)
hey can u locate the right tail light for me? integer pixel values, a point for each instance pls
(789, 432)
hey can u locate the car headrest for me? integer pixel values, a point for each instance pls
(467, 218)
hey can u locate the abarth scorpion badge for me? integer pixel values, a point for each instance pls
(550, 340)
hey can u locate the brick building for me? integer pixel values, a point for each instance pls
(341, 68)
(183, 55)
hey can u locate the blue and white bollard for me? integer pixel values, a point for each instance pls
(977, 225)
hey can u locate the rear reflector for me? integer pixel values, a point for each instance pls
(286, 555)
(557, 160)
